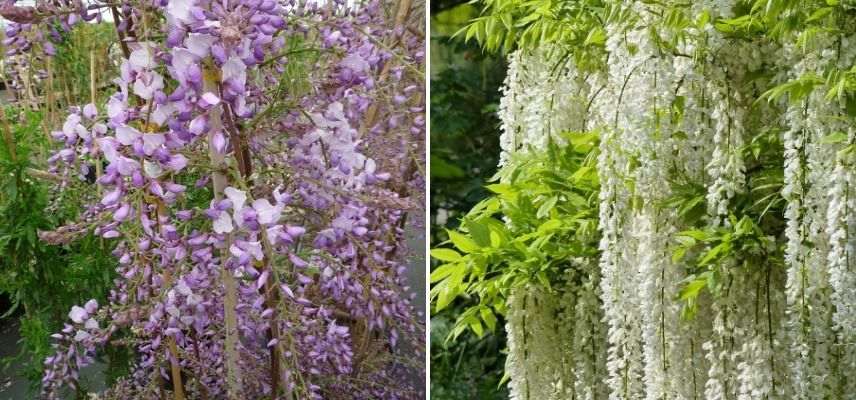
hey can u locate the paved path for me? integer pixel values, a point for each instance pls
(12, 386)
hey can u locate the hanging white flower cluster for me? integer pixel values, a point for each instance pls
(537, 84)
(769, 332)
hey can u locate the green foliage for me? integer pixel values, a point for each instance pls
(71, 65)
(470, 368)
(464, 152)
(508, 24)
(43, 281)
(749, 240)
(509, 239)
(464, 143)
(578, 28)
(741, 244)
(542, 214)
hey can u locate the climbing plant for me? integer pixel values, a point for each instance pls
(253, 169)
(722, 263)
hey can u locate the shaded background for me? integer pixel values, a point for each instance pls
(464, 138)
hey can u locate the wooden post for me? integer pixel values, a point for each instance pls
(8, 137)
(230, 300)
(175, 369)
(92, 99)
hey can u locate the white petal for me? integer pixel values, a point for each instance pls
(147, 84)
(70, 122)
(255, 249)
(273, 233)
(355, 62)
(89, 111)
(223, 223)
(142, 58)
(199, 44)
(180, 10)
(236, 251)
(115, 107)
(234, 69)
(108, 147)
(78, 314)
(183, 289)
(151, 141)
(81, 132)
(91, 324)
(173, 310)
(267, 213)
(210, 98)
(81, 336)
(153, 170)
(237, 197)
(162, 113)
(91, 306)
(126, 135)
(182, 59)
(193, 299)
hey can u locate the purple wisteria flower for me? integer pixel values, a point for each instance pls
(237, 195)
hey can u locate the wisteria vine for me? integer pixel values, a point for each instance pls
(725, 200)
(257, 167)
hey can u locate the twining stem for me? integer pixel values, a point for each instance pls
(175, 368)
(270, 292)
(49, 94)
(770, 333)
(125, 50)
(401, 14)
(174, 363)
(230, 301)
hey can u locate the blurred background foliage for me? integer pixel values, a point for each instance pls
(465, 83)
(40, 282)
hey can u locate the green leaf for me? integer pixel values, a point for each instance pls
(443, 254)
(835, 137)
(679, 254)
(596, 37)
(498, 188)
(692, 289)
(694, 234)
(476, 326)
(442, 169)
(444, 271)
(542, 278)
(449, 289)
(714, 253)
(549, 225)
(820, 13)
(479, 232)
(703, 19)
(488, 318)
(462, 242)
(546, 207)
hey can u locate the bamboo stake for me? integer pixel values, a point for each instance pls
(25, 79)
(177, 384)
(49, 93)
(92, 98)
(174, 365)
(8, 136)
(92, 78)
(269, 291)
(230, 301)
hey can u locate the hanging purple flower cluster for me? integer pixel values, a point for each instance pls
(298, 240)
